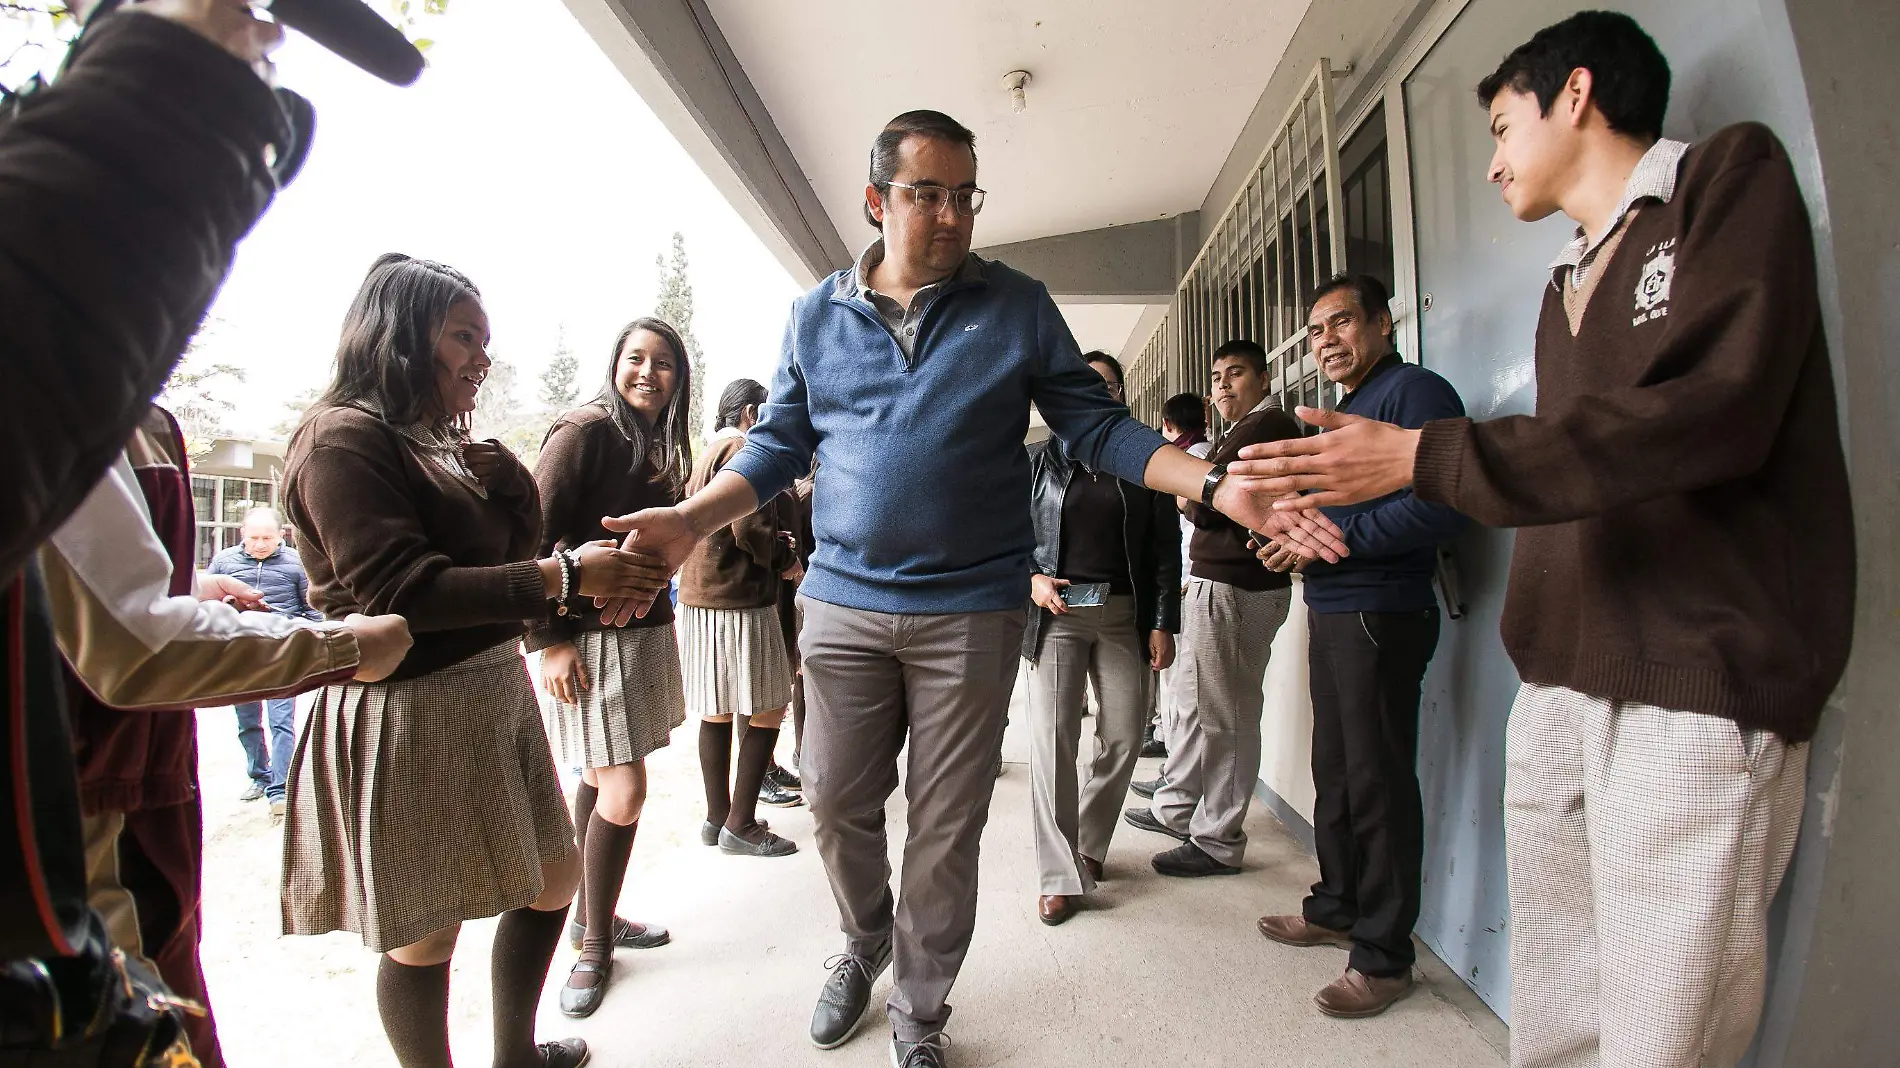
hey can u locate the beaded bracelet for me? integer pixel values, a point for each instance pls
(567, 579)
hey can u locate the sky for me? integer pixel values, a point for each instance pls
(521, 158)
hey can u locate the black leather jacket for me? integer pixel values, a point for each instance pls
(1150, 529)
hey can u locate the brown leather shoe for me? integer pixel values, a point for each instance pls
(1055, 909)
(1355, 994)
(1092, 866)
(1295, 931)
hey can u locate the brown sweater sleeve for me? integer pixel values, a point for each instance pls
(1708, 409)
(561, 473)
(354, 498)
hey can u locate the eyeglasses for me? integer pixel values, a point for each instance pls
(931, 199)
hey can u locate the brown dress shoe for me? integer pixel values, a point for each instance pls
(1295, 931)
(1055, 909)
(1092, 866)
(1356, 994)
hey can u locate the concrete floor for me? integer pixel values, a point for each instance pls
(1158, 971)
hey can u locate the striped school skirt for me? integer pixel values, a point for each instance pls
(633, 699)
(734, 660)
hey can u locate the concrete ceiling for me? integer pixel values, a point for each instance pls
(1132, 109)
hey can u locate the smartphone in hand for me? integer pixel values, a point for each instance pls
(1085, 594)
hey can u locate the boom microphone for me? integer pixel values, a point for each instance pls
(354, 32)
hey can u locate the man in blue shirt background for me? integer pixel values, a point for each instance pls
(910, 376)
(273, 569)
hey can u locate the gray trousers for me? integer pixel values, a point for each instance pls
(1088, 644)
(1214, 757)
(870, 679)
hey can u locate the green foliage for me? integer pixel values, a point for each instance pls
(558, 391)
(675, 306)
(293, 413)
(192, 396)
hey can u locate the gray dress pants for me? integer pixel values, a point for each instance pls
(872, 678)
(1214, 759)
(1100, 645)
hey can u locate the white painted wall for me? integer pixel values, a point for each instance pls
(1286, 725)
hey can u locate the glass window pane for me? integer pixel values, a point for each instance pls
(237, 495)
(204, 492)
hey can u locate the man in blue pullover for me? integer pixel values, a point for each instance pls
(274, 570)
(910, 375)
(1372, 625)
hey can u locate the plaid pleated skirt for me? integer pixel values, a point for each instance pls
(633, 700)
(735, 661)
(417, 804)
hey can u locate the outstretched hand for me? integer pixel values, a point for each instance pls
(1357, 459)
(664, 533)
(1254, 508)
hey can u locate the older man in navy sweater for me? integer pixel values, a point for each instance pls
(910, 375)
(1372, 626)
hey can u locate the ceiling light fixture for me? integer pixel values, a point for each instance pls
(1017, 83)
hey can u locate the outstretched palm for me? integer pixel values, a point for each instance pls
(660, 532)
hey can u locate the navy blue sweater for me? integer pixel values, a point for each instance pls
(1394, 539)
(922, 503)
(279, 577)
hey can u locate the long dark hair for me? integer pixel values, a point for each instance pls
(385, 358)
(672, 439)
(735, 398)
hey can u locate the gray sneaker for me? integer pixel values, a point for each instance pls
(842, 1002)
(930, 1053)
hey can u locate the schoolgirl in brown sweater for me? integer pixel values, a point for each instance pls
(616, 691)
(430, 798)
(733, 646)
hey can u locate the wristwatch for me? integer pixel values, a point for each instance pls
(1215, 476)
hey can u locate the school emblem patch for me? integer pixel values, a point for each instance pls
(1652, 290)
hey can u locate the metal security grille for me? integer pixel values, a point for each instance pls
(1282, 233)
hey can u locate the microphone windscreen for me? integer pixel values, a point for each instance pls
(356, 33)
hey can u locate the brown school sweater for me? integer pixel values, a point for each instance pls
(737, 566)
(1688, 538)
(382, 530)
(587, 471)
(1218, 550)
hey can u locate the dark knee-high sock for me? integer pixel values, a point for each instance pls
(584, 799)
(524, 947)
(715, 765)
(755, 755)
(604, 871)
(414, 1004)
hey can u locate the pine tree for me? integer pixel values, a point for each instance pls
(558, 391)
(675, 305)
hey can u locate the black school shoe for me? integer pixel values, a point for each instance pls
(1189, 861)
(627, 934)
(767, 845)
(579, 1002)
(785, 779)
(847, 993)
(566, 1053)
(709, 832)
(777, 796)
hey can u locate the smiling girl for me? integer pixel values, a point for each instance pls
(616, 690)
(431, 798)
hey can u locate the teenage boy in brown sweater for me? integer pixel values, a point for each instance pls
(1681, 597)
(1229, 614)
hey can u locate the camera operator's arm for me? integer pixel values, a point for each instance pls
(124, 189)
(136, 647)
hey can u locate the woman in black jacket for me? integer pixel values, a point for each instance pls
(1092, 529)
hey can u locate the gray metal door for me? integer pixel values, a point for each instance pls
(1485, 274)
